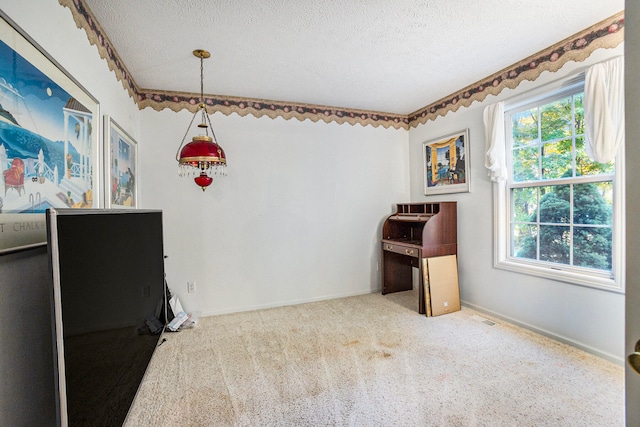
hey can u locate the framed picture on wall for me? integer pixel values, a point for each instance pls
(121, 166)
(446, 164)
(49, 140)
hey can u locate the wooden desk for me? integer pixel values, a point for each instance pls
(415, 232)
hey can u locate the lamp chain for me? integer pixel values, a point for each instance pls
(202, 81)
(184, 137)
(205, 117)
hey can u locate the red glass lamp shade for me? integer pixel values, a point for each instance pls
(202, 159)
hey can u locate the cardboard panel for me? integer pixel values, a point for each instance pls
(442, 284)
(427, 292)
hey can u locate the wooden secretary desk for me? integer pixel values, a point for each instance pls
(414, 233)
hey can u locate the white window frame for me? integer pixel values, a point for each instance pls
(501, 198)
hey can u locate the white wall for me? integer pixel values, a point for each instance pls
(588, 318)
(297, 219)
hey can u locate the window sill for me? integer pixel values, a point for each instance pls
(588, 280)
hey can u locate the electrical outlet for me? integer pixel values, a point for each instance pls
(191, 287)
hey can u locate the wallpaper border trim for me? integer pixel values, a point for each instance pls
(608, 33)
(176, 101)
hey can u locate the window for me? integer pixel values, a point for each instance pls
(561, 211)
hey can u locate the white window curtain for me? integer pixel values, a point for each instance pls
(604, 109)
(495, 160)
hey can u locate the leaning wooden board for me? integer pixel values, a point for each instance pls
(442, 294)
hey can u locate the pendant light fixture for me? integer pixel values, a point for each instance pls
(202, 158)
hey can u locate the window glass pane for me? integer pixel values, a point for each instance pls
(555, 242)
(569, 225)
(525, 241)
(525, 164)
(524, 127)
(525, 204)
(579, 111)
(592, 247)
(593, 203)
(556, 120)
(555, 206)
(586, 166)
(557, 159)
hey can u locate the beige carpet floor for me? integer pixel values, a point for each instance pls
(372, 360)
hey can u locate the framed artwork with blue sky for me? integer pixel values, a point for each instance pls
(446, 164)
(121, 164)
(49, 140)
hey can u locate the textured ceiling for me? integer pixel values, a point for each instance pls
(383, 55)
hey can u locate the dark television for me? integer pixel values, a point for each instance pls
(109, 308)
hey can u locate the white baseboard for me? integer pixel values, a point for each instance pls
(549, 334)
(289, 302)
